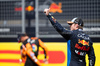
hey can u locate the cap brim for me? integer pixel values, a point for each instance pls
(69, 22)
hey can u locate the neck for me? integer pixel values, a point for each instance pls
(76, 28)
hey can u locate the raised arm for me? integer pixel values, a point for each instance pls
(65, 33)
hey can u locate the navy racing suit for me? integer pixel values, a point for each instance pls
(78, 45)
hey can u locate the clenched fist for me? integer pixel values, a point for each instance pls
(46, 11)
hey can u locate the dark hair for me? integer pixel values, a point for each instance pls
(20, 35)
(80, 27)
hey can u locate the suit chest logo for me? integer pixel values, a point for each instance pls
(82, 47)
(34, 47)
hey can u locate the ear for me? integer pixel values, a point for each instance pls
(22, 37)
(76, 25)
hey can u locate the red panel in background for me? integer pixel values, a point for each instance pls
(9, 51)
(55, 57)
(10, 60)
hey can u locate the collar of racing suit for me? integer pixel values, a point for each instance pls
(79, 29)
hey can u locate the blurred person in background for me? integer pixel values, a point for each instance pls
(78, 43)
(30, 49)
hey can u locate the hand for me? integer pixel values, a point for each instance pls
(20, 61)
(45, 61)
(46, 11)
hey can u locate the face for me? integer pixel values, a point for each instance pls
(73, 26)
(22, 39)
